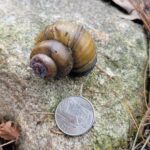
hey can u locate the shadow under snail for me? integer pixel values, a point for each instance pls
(63, 48)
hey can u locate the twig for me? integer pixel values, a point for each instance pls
(12, 141)
(56, 131)
(147, 140)
(43, 113)
(146, 20)
(81, 89)
(102, 70)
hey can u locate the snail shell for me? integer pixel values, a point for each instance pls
(63, 48)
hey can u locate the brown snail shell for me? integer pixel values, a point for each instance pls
(69, 47)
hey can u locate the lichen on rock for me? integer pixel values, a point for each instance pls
(121, 50)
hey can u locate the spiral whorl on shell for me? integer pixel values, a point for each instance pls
(63, 48)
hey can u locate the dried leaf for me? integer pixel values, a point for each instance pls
(127, 6)
(9, 131)
(147, 5)
(144, 16)
(133, 16)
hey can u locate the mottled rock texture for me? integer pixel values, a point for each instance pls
(121, 51)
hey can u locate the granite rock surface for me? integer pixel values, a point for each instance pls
(29, 100)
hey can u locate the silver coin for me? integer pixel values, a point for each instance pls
(74, 115)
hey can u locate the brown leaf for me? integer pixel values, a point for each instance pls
(127, 6)
(147, 5)
(9, 131)
(132, 16)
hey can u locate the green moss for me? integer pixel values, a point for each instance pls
(126, 51)
(96, 145)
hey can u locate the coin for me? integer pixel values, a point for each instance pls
(74, 115)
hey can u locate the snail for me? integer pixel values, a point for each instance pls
(61, 49)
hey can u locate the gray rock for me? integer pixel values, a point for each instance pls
(121, 50)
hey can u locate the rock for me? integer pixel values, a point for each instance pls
(121, 50)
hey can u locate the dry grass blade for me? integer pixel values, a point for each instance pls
(147, 140)
(145, 17)
(127, 107)
(42, 113)
(145, 83)
(145, 118)
(140, 128)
